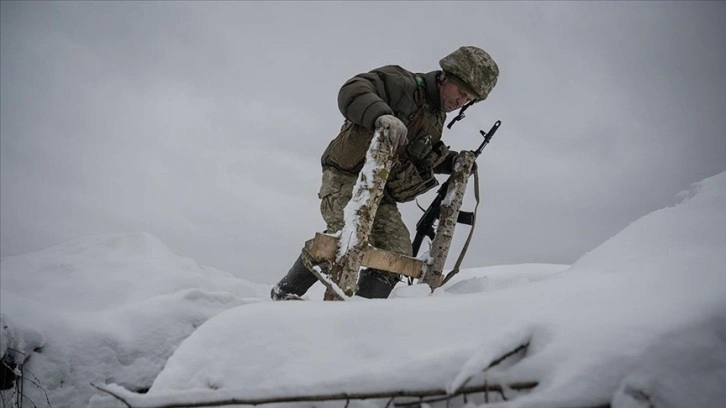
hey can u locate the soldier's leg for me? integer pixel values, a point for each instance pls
(335, 191)
(389, 233)
(297, 281)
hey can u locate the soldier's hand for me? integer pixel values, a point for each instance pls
(454, 155)
(394, 129)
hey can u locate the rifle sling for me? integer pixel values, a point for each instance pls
(471, 232)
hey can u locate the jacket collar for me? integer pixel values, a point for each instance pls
(432, 90)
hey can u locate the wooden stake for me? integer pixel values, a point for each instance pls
(359, 215)
(434, 267)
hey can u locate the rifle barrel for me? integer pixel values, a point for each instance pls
(487, 137)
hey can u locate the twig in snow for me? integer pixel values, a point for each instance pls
(504, 357)
(36, 382)
(495, 362)
(20, 379)
(113, 394)
(420, 394)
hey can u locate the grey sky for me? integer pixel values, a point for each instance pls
(203, 123)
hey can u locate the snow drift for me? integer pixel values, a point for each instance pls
(638, 321)
(106, 308)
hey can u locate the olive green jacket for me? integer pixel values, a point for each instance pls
(412, 98)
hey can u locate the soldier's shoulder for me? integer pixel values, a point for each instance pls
(396, 70)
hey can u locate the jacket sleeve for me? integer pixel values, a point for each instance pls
(365, 97)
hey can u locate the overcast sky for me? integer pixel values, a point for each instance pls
(203, 123)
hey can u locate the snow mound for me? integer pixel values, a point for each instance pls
(492, 278)
(680, 233)
(111, 270)
(105, 308)
(585, 329)
(686, 369)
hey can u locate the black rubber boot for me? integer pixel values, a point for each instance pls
(373, 284)
(293, 285)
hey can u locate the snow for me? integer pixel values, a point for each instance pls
(360, 197)
(329, 282)
(107, 308)
(638, 321)
(450, 194)
(686, 369)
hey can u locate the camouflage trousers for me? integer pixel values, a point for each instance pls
(388, 233)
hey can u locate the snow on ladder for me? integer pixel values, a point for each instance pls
(351, 250)
(360, 213)
(433, 268)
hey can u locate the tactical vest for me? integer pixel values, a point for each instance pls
(412, 173)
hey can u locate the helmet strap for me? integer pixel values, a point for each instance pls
(461, 114)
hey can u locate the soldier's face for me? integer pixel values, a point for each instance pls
(452, 97)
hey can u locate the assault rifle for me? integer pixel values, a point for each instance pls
(425, 226)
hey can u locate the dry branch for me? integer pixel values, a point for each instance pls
(495, 362)
(329, 397)
(509, 354)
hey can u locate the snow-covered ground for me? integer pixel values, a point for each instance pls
(639, 321)
(108, 308)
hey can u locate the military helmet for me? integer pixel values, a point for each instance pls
(474, 67)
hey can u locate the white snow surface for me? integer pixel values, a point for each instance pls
(106, 308)
(638, 321)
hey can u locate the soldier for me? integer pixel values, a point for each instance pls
(413, 107)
